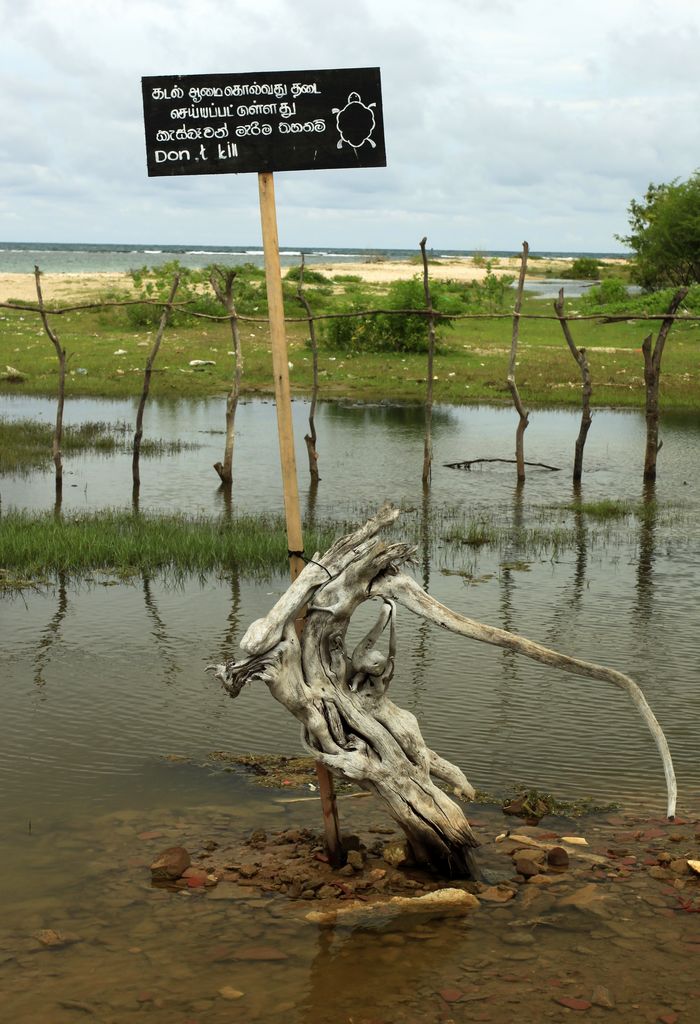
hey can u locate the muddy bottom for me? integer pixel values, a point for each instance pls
(265, 929)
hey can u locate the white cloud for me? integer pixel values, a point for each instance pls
(501, 118)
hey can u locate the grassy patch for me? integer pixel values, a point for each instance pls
(473, 533)
(604, 509)
(37, 545)
(25, 445)
(471, 366)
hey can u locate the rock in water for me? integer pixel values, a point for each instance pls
(170, 864)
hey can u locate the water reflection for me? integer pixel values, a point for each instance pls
(168, 659)
(51, 634)
(596, 599)
(422, 646)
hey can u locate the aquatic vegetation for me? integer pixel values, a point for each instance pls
(25, 445)
(474, 533)
(123, 543)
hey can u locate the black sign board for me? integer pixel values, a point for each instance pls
(273, 121)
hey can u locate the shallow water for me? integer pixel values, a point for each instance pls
(100, 683)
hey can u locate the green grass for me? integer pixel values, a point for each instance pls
(474, 533)
(470, 368)
(25, 445)
(605, 509)
(39, 545)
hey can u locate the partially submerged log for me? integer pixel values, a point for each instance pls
(341, 697)
(468, 463)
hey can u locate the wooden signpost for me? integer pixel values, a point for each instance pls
(273, 121)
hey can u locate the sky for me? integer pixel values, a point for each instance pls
(504, 121)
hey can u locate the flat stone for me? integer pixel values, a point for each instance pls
(572, 1003)
(229, 992)
(587, 898)
(199, 873)
(526, 865)
(517, 938)
(55, 940)
(497, 894)
(441, 901)
(659, 873)
(545, 880)
(601, 997)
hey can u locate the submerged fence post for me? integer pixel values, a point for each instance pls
(512, 386)
(295, 543)
(652, 379)
(579, 355)
(221, 280)
(428, 442)
(165, 315)
(61, 353)
(310, 438)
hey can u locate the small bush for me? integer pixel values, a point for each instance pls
(195, 292)
(584, 268)
(310, 276)
(402, 332)
(388, 332)
(610, 292)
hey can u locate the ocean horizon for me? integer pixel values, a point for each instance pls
(97, 257)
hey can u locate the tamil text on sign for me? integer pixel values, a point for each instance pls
(273, 121)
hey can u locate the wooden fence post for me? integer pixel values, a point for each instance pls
(295, 543)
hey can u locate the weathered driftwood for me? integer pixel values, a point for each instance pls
(340, 697)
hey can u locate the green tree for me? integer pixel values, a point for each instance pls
(665, 234)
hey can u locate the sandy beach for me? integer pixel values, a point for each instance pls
(83, 286)
(59, 287)
(386, 271)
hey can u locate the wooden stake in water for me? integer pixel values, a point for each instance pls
(280, 370)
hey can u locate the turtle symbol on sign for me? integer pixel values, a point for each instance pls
(355, 122)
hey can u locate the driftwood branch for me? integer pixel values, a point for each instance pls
(468, 463)
(340, 697)
(512, 386)
(135, 474)
(61, 354)
(579, 355)
(222, 280)
(428, 441)
(310, 438)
